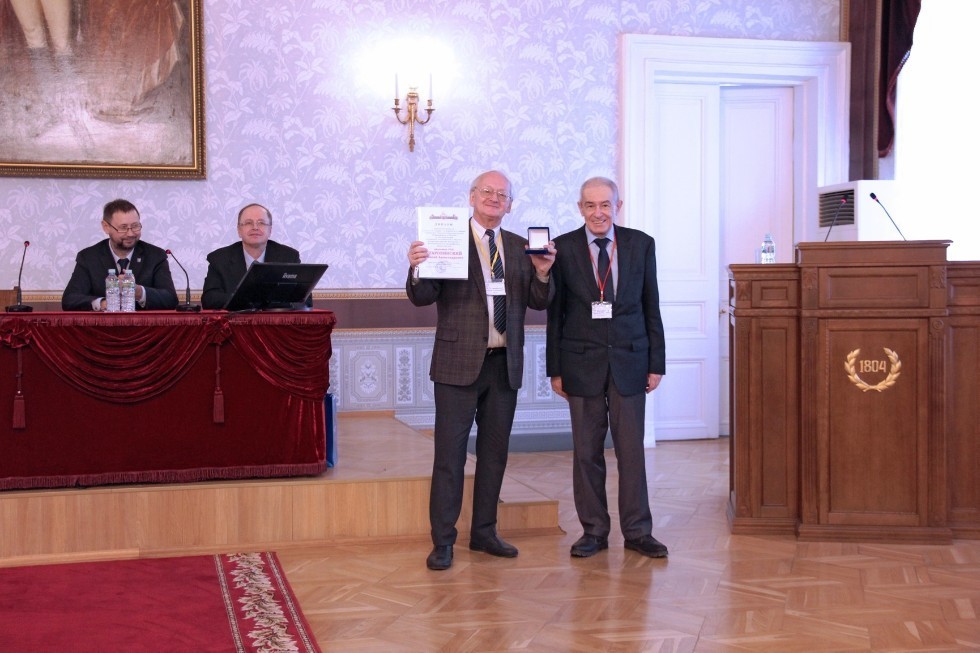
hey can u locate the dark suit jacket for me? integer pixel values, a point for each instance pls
(149, 265)
(226, 267)
(463, 318)
(631, 344)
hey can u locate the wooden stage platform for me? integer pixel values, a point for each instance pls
(378, 490)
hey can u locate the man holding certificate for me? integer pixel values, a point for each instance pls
(478, 362)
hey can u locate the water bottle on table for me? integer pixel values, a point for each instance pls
(112, 291)
(127, 291)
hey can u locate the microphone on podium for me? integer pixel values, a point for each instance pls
(186, 306)
(19, 307)
(878, 202)
(843, 201)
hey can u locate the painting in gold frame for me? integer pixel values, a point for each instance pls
(101, 88)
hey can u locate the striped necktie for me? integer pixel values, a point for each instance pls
(499, 301)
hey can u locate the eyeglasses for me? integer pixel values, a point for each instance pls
(489, 193)
(261, 224)
(136, 227)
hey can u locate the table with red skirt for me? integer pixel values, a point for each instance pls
(164, 397)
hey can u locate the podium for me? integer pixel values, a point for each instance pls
(854, 396)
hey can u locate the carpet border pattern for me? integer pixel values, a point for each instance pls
(255, 591)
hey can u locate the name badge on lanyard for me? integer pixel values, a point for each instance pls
(495, 288)
(602, 310)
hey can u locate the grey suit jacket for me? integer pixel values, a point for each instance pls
(463, 318)
(631, 345)
(226, 267)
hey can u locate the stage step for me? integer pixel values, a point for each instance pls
(378, 491)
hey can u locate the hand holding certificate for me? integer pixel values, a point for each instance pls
(445, 231)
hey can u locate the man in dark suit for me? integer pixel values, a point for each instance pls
(478, 364)
(122, 249)
(605, 351)
(227, 265)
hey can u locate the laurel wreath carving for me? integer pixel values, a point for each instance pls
(894, 371)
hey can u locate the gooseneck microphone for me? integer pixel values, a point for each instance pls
(19, 307)
(843, 201)
(186, 306)
(878, 202)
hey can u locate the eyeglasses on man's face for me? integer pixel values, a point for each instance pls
(489, 193)
(136, 227)
(258, 224)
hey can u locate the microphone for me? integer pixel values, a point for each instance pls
(186, 306)
(19, 307)
(843, 201)
(878, 201)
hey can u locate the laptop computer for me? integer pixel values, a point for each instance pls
(276, 286)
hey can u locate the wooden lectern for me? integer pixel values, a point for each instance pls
(855, 395)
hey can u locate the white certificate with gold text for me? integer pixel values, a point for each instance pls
(445, 232)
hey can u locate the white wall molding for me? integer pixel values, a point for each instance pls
(388, 369)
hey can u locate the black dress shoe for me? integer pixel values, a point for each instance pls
(495, 547)
(648, 546)
(589, 545)
(440, 558)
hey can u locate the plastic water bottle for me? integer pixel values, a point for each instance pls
(127, 291)
(767, 253)
(112, 291)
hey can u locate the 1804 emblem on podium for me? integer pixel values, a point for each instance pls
(853, 366)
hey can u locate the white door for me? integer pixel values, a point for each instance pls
(673, 188)
(756, 192)
(722, 165)
(684, 192)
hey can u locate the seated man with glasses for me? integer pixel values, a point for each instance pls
(122, 250)
(227, 265)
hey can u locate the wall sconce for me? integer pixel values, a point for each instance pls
(412, 104)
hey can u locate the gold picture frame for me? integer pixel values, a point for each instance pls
(102, 89)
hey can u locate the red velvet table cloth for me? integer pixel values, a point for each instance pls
(97, 398)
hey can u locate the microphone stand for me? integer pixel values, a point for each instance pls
(878, 202)
(19, 307)
(843, 201)
(186, 306)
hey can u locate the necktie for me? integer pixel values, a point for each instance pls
(123, 264)
(499, 301)
(603, 268)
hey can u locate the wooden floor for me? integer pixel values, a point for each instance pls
(353, 543)
(715, 592)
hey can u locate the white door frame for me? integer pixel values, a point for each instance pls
(819, 74)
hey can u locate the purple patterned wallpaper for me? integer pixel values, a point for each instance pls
(294, 123)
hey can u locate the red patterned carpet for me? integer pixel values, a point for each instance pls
(238, 602)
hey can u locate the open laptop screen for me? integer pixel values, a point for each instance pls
(276, 286)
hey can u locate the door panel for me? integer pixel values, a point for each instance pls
(756, 191)
(685, 197)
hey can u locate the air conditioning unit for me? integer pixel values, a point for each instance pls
(860, 217)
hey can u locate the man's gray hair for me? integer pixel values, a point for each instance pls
(479, 179)
(600, 181)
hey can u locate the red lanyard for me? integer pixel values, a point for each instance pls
(595, 266)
